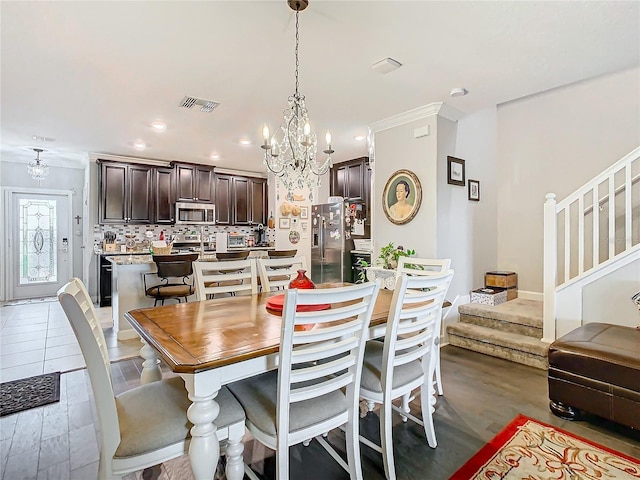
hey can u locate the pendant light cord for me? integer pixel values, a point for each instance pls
(297, 43)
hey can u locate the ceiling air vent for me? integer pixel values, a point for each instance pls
(206, 106)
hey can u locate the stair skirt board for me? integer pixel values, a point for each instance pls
(502, 325)
(507, 353)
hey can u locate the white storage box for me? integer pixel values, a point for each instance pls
(489, 296)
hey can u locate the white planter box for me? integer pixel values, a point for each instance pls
(488, 296)
(388, 277)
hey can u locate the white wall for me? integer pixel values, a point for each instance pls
(616, 289)
(555, 142)
(396, 148)
(14, 174)
(467, 230)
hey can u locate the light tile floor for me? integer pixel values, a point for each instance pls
(36, 338)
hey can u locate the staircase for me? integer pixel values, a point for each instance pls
(511, 331)
(589, 235)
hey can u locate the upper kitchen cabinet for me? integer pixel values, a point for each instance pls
(125, 193)
(223, 199)
(258, 189)
(194, 183)
(165, 197)
(240, 200)
(352, 179)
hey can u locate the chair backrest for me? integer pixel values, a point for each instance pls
(225, 277)
(338, 348)
(282, 253)
(179, 265)
(423, 266)
(78, 308)
(414, 321)
(278, 272)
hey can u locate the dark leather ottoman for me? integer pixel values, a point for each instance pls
(596, 369)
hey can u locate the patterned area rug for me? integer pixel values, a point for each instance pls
(27, 393)
(531, 450)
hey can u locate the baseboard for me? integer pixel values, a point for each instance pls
(538, 296)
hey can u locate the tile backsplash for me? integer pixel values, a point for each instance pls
(140, 230)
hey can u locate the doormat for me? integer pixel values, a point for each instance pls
(27, 393)
(532, 450)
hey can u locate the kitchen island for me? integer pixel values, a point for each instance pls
(127, 285)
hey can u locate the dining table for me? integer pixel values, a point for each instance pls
(211, 343)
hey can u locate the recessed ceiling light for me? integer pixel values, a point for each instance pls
(214, 156)
(359, 138)
(44, 139)
(139, 145)
(245, 141)
(458, 92)
(159, 126)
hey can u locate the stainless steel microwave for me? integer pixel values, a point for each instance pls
(195, 213)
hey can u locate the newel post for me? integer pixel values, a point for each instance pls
(550, 269)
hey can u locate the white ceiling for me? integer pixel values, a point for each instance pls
(94, 75)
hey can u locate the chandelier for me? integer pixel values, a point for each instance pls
(290, 154)
(38, 169)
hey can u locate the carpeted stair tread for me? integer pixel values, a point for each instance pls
(497, 337)
(518, 311)
(510, 346)
(502, 325)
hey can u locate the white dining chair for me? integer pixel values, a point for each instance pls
(229, 276)
(277, 272)
(426, 266)
(423, 266)
(405, 360)
(315, 389)
(145, 425)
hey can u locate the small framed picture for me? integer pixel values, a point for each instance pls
(455, 171)
(474, 190)
(284, 223)
(304, 212)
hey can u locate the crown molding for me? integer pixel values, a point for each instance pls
(437, 108)
(93, 157)
(244, 173)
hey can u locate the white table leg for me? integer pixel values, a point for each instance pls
(151, 371)
(204, 449)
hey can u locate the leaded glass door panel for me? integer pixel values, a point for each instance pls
(41, 244)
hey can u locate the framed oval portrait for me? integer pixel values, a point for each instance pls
(401, 197)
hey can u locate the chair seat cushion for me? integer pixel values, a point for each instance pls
(258, 397)
(372, 369)
(153, 416)
(171, 290)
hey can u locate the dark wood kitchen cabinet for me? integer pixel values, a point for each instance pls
(164, 196)
(194, 183)
(223, 199)
(258, 187)
(351, 179)
(125, 193)
(240, 200)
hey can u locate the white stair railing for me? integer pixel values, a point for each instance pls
(601, 210)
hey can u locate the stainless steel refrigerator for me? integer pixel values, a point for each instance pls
(331, 243)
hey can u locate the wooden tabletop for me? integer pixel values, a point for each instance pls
(197, 336)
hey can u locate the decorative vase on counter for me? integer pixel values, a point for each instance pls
(302, 281)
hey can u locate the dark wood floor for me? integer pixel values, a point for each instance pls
(482, 395)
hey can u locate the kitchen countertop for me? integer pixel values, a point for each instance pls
(99, 251)
(145, 259)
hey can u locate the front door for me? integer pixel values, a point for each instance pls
(40, 244)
